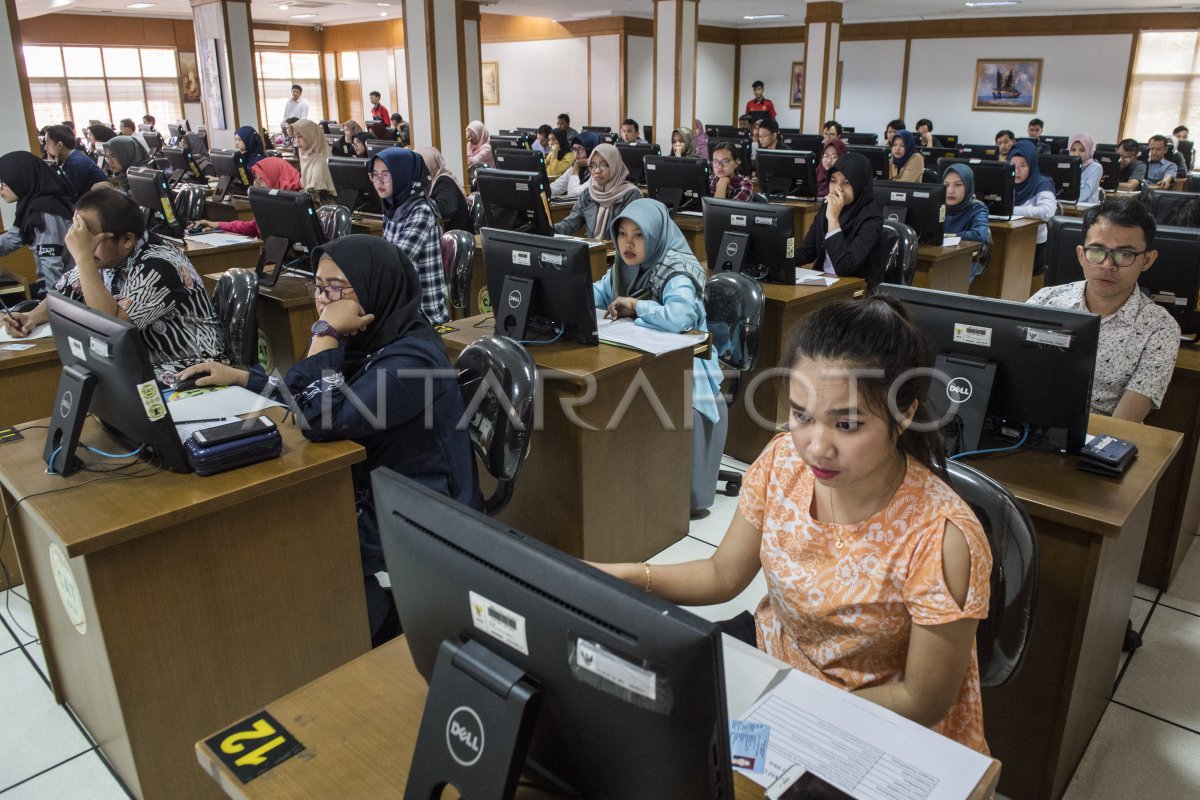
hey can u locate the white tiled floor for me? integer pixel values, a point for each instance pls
(1146, 744)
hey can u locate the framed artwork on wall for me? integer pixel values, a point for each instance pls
(491, 83)
(796, 90)
(189, 77)
(1007, 84)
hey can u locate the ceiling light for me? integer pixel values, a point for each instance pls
(986, 3)
(283, 8)
(764, 16)
(384, 5)
(141, 5)
(303, 16)
(384, 14)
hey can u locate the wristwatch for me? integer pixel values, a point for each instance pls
(323, 328)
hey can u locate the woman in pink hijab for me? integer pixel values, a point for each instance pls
(1082, 147)
(479, 148)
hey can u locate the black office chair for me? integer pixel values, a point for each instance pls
(335, 221)
(25, 306)
(734, 305)
(759, 197)
(498, 380)
(235, 300)
(458, 257)
(985, 255)
(1002, 638)
(189, 203)
(930, 176)
(475, 209)
(901, 264)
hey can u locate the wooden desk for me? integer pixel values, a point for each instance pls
(1091, 530)
(585, 456)
(199, 599)
(560, 211)
(369, 225)
(785, 306)
(1010, 267)
(359, 724)
(237, 208)
(947, 269)
(478, 300)
(1177, 506)
(208, 260)
(285, 317)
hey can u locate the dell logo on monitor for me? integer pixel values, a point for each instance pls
(731, 249)
(464, 736)
(514, 298)
(959, 390)
(65, 403)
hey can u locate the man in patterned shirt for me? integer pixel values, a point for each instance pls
(122, 271)
(1138, 339)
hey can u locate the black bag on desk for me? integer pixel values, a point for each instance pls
(1107, 455)
(231, 455)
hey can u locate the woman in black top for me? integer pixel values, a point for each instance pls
(446, 192)
(846, 240)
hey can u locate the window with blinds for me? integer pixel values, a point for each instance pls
(277, 71)
(1165, 86)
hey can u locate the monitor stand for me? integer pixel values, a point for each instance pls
(963, 397)
(476, 728)
(348, 197)
(175, 177)
(512, 307)
(732, 251)
(73, 398)
(671, 197)
(274, 252)
(221, 193)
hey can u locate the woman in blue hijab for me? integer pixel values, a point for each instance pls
(571, 182)
(907, 164)
(250, 143)
(966, 217)
(1033, 195)
(657, 281)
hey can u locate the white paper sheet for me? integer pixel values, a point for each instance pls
(812, 277)
(40, 332)
(858, 746)
(218, 238)
(625, 333)
(228, 401)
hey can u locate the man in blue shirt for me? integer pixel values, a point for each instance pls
(1161, 170)
(81, 172)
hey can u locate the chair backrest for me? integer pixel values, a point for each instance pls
(759, 197)
(1001, 639)
(458, 259)
(930, 176)
(335, 221)
(235, 300)
(498, 379)
(475, 209)
(985, 255)
(734, 305)
(901, 253)
(189, 203)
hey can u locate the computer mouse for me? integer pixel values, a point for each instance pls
(187, 384)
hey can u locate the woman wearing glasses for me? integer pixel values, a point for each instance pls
(1138, 339)
(725, 182)
(354, 384)
(834, 149)
(602, 197)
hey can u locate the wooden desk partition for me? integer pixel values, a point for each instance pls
(1091, 530)
(1010, 267)
(235, 209)
(193, 600)
(947, 269)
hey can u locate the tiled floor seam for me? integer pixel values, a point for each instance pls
(43, 772)
(1156, 716)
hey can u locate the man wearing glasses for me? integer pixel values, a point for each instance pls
(1138, 339)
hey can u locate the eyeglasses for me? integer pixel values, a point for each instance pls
(1121, 257)
(332, 293)
(829, 156)
(599, 166)
(722, 162)
(381, 177)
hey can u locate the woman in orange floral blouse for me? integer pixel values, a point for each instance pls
(877, 572)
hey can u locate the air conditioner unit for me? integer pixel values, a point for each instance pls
(269, 37)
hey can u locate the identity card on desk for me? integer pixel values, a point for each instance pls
(626, 333)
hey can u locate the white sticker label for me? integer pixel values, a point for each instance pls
(630, 677)
(77, 348)
(791, 247)
(765, 221)
(737, 219)
(99, 347)
(152, 400)
(1052, 338)
(799, 161)
(652, 166)
(920, 194)
(552, 258)
(520, 257)
(522, 187)
(68, 589)
(898, 197)
(972, 334)
(499, 622)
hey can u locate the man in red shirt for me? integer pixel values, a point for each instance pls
(759, 104)
(379, 112)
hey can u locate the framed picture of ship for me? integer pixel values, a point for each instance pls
(1007, 84)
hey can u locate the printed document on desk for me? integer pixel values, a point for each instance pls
(858, 746)
(218, 239)
(217, 403)
(626, 333)
(40, 332)
(812, 277)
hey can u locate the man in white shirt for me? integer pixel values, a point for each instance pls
(295, 107)
(1138, 338)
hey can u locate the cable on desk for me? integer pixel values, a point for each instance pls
(561, 330)
(1020, 443)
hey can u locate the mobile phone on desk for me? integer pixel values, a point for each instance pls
(798, 784)
(232, 431)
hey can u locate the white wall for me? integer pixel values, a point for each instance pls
(402, 106)
(872, 74)
(606, 82)
(771, 64)
(538, 81)
(13, 136)
(714, 83)
(373, 77)
(639, 75)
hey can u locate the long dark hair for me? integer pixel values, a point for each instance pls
(875, 333)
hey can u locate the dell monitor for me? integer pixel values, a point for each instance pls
(994, 183)
(787, 173)
(931, 154)
(634, 156)
(541, 286)
(808, 142)
(879, 157)
(678, 183)
(755, 239)
(286, 221)
(604, 129)
(521, 160)
(1058, 144)
(861, 139)
(514, 200)
(377, 146)
(183, 166)
(108, 376)
(726, 132)
(176, 131)
(154, 142)
(987, 152)
(1162, 202)
(1064, 171)
(741, 151)
(1008, 370)
(148, 188)
(947, 139)
(353, 184)
(233, 177)
(1173, 281)
(1110, 175)
(523, 141)
(920, 206)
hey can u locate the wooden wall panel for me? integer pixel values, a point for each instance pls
(363, 36)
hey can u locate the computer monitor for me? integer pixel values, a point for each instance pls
(1058, 144)
(1064, 171)
(1106, 148)
(377, 146)
(520, 160)
(597, 129)
(183, 166)
(1173, 281)
(333, 139)
(523, 141)
(1162, 202)
(1110, 164)
(1186, 147)
(986, 152)
(335, 129)
(787, 173)
(634, 156)
(931, 154)
(726, 132)
(539, 285)
(808, 142)
(286, 221)
(994, 183)
(514, 200)
(920, 206)
(148, 188)
(861, 139)
(756, 239)
(353, 184)
(106, 373)
(741, 150)
(879, 157)
(608, 691)
(947, 139)
(1008, 366)
(678, 183)
(154, 142)
(176, 131)
(143, 128)
(232, 175)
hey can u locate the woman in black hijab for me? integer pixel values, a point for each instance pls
(44, 211)
(846, 239)
(365, 379)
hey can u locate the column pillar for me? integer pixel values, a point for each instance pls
(20, 132)
(675, 38)
(228, 73)
(442, 51)
(822, 43)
